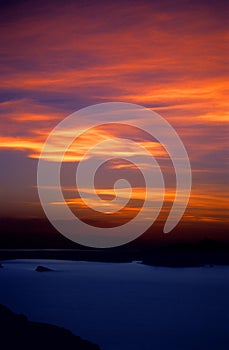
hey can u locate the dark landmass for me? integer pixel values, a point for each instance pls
(42, 269)
(189, 244)
(40, 234)
(204, 252)
(17, 332)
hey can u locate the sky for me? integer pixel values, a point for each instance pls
(168, 56)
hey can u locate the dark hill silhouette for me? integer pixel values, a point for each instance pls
(204, 252)
(17, 332)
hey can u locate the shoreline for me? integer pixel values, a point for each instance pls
(170, 256)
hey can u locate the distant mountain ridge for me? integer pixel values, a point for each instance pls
(204, 252)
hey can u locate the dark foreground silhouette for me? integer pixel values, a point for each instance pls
(17, 332)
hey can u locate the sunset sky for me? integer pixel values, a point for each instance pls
(170, 56)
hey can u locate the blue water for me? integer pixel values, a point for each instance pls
(124, 306)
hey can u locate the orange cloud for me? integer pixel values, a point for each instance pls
(171, 60)
(202, 206)
(21, 144)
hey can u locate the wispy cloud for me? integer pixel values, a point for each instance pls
(168, 57)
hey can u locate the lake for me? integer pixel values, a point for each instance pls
(124, 306)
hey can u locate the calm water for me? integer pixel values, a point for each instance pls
(125, 306)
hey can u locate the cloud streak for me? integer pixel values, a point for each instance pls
(168, 57)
